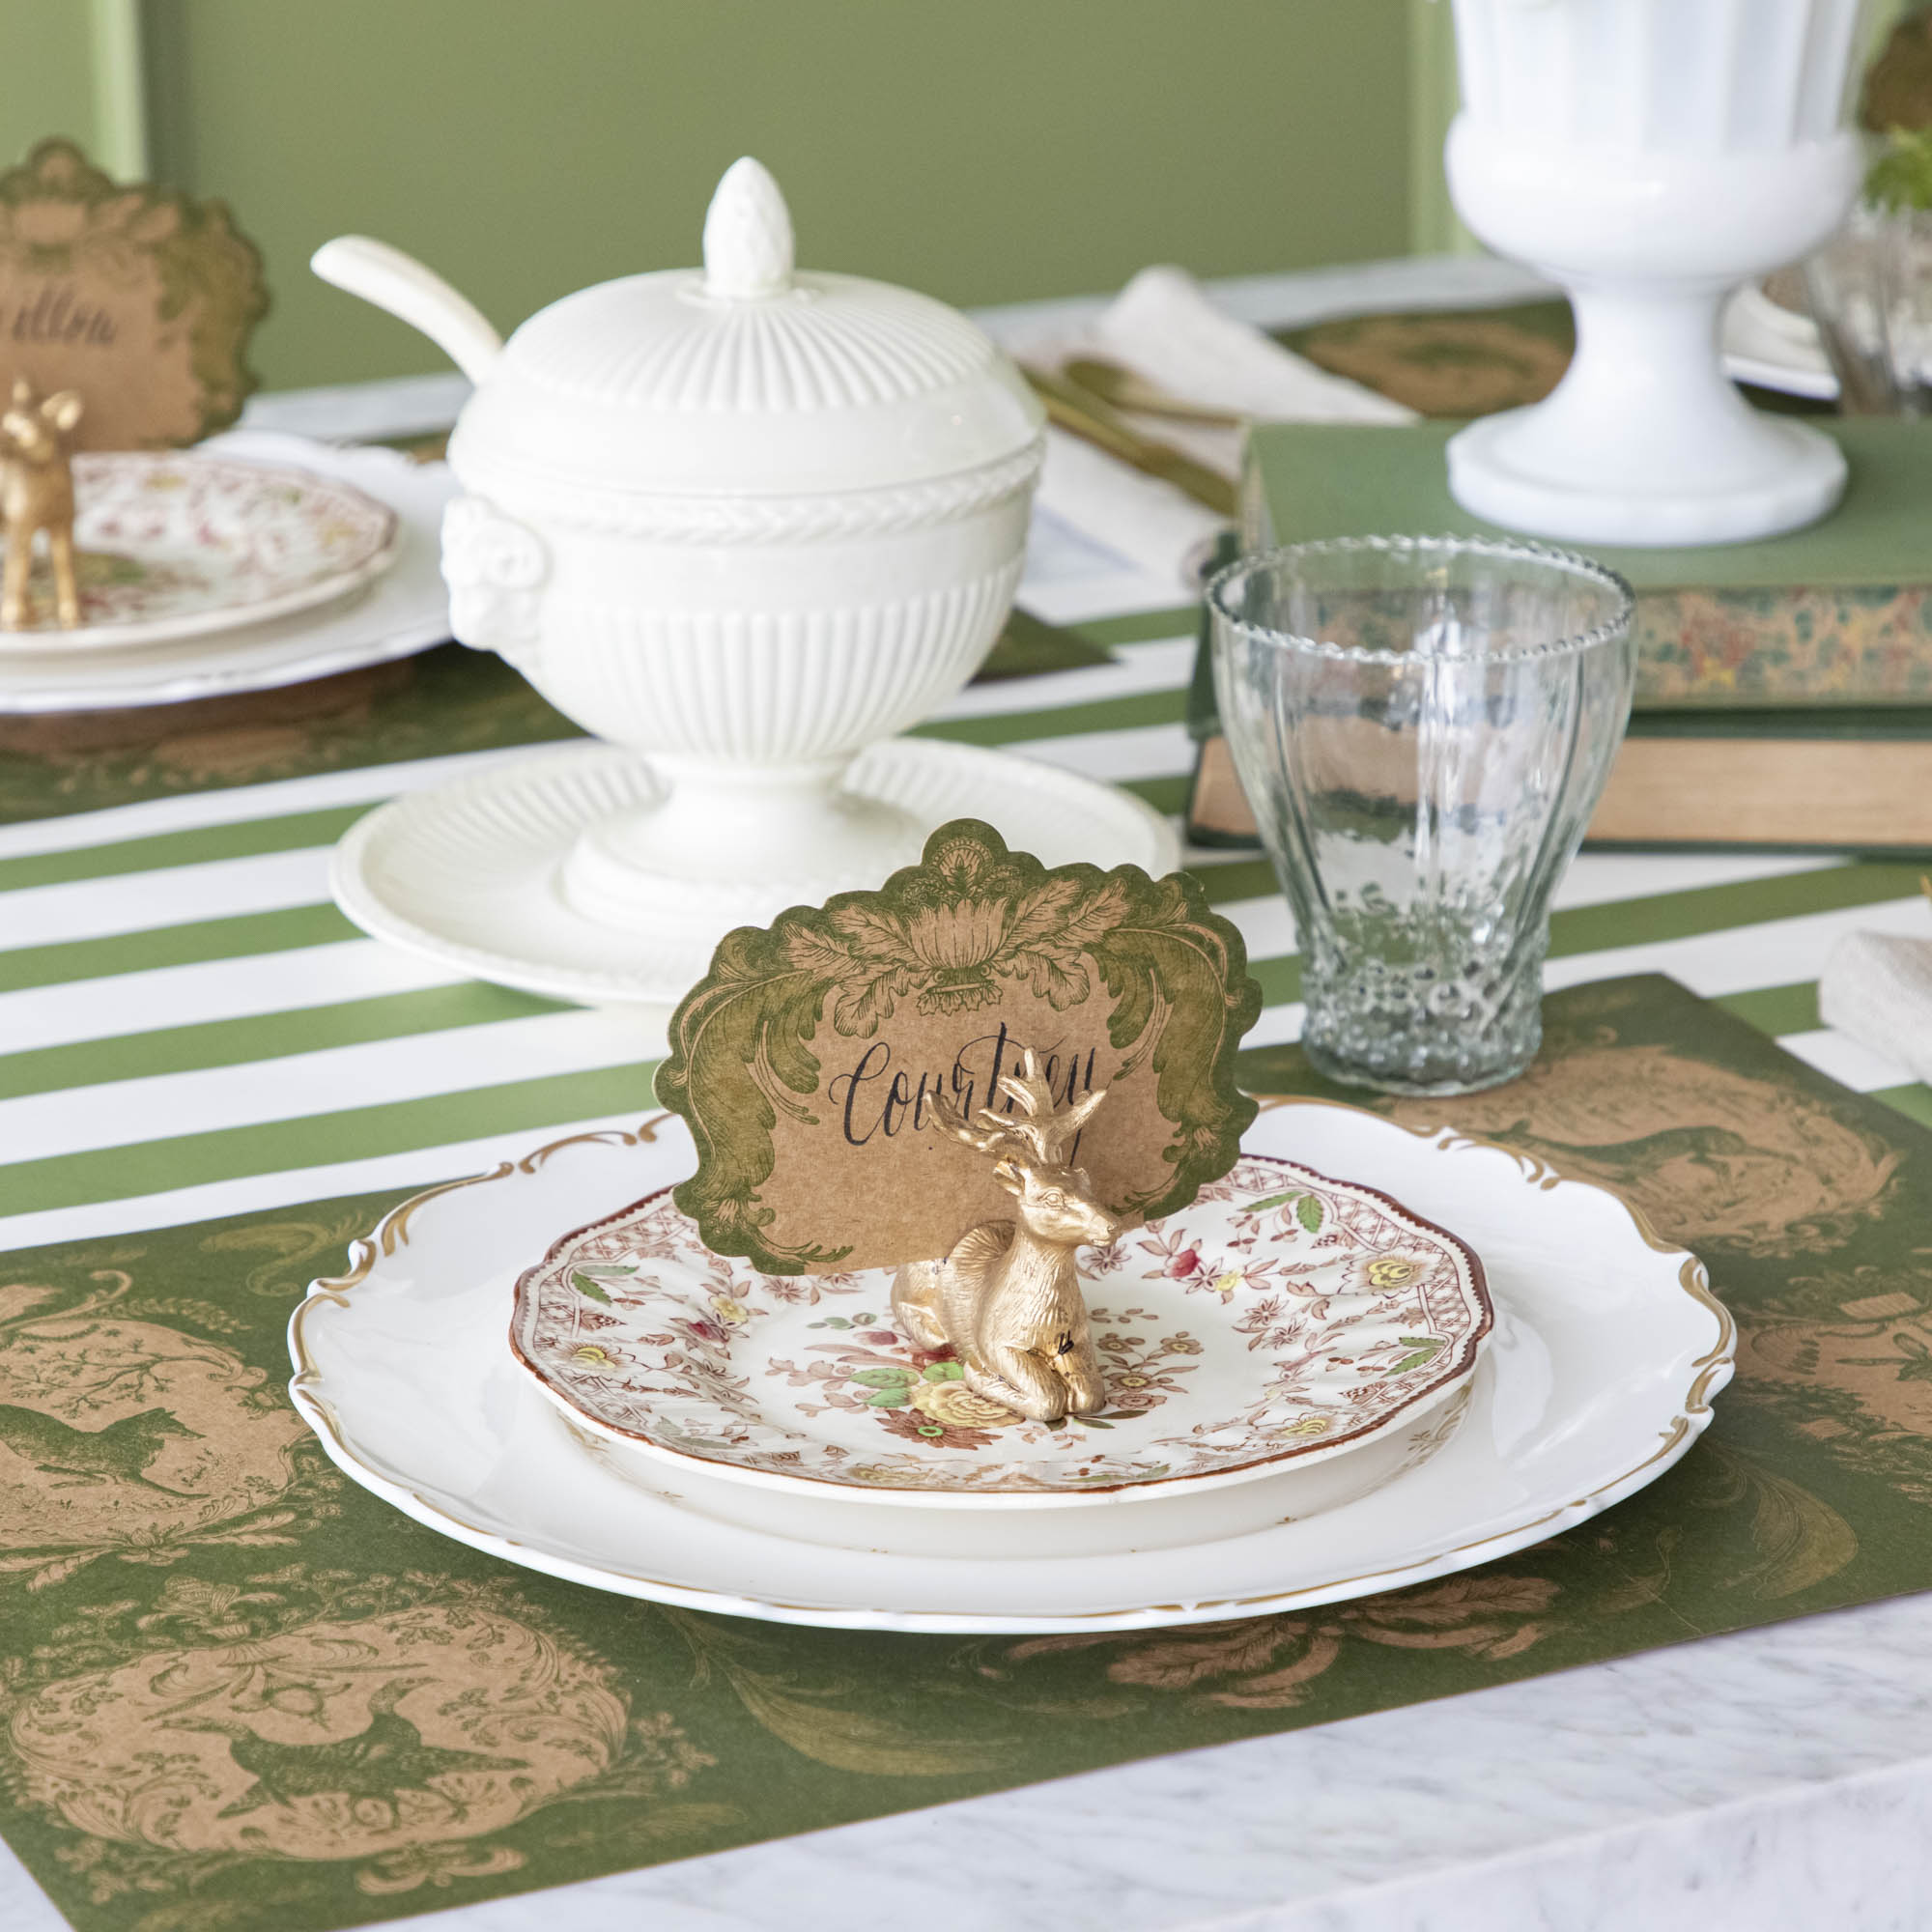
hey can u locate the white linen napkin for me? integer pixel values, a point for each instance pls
(1164, 326)
(1878, 987)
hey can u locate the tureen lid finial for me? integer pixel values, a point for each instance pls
(747, 248)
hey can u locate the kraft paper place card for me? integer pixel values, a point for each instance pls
(139, 296)
(808, 1060)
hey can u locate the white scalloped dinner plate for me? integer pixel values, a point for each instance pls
(1608, 1350)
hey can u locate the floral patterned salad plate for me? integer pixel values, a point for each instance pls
(400, 610)
(181, 545)
(1606, 1351)
(1285, 1344)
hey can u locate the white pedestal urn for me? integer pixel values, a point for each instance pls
(1650, 156)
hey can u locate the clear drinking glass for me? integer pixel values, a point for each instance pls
(1870, 292)
(1423, 725)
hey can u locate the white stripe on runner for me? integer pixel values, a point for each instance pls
(1142, 752)
(1082, 599)
(213, 989)
(1195, 856)
(1267, 929)
(1278, 1026)
(1841, 1058)
(1265, 925)
(416, 1167)
(1598, 878)
(293, 1087)
(1833, 1054)
(1742, 958)
(282, 798)
(1165, 665)
(167, 895)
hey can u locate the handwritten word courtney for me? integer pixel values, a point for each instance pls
(876, 1098)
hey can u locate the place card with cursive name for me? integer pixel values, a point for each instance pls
(136, 296)
(808, 1060)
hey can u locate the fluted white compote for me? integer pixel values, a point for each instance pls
(1650, 156)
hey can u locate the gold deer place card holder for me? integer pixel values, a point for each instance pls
(957, 1273)
(36, 495)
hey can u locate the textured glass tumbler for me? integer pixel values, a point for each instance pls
(1423, 725)
(1870, 292)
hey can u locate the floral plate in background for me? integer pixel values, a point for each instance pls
(180, 545)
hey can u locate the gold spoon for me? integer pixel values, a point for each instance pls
(1084, 414)
(1115, 384)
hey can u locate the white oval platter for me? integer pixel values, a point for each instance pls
(180, 544)
(1257, 1346)
(1608, 1350)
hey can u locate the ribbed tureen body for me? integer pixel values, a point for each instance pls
(743, 513)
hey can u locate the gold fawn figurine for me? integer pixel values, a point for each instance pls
(1008, 1299)
(36, 494)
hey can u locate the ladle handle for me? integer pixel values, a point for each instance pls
(413, 294)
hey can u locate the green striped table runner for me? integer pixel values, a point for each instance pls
(188, 1026)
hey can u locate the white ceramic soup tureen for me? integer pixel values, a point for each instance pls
(744, 521)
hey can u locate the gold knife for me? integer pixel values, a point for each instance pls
(1085, 415)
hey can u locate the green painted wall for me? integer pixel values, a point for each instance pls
(983, 149)
(47, 74)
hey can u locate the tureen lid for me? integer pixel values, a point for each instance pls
(749, 377)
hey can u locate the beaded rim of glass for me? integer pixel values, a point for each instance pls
(1615, 629)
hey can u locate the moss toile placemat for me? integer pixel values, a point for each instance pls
(1468, 362)
(272, 1700)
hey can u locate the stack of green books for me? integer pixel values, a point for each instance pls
(1784, 690)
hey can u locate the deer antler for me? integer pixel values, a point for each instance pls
(1050, 1129)
(1045, 1134)
(994, 1135)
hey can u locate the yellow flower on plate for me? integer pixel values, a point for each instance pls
(1309, 1425)
(588, 1351)
(1225, 1285)
(1393, 1271)
(955, 1404)
(728, 1311)
(880, 1475)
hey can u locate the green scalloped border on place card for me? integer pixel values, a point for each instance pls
(742, 1039)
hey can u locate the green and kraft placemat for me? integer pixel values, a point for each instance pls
(201, 1723)
(1467, 361)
